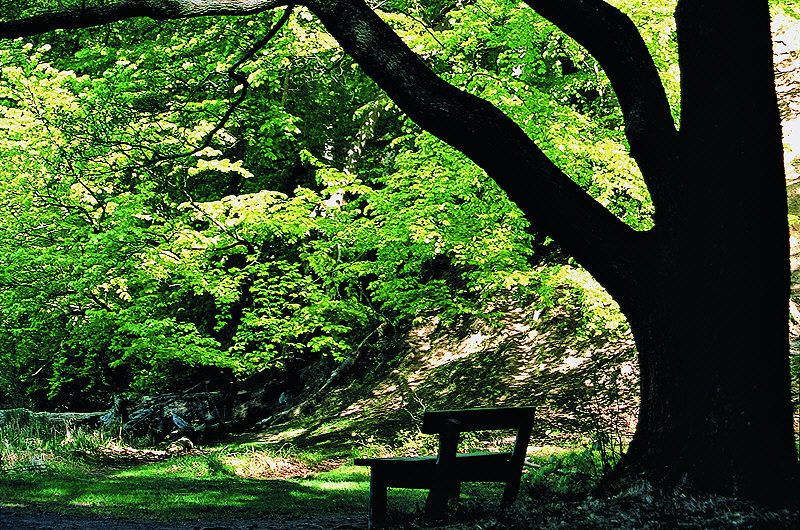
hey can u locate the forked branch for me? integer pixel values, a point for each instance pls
(241, 81)
(612, 38)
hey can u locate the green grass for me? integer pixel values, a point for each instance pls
(210, 485)
(183, 490)
(173, 490)
(221, 483)
(76, 473)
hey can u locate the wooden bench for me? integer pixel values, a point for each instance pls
(443, 474)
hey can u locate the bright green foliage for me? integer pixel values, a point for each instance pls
(139, 252)
(790, 7)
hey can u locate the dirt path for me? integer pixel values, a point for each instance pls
(25, 519)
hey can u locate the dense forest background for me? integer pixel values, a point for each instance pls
(183, 206)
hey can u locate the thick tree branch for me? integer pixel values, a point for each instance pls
(550, 199)
(90, 16)
(612, 38)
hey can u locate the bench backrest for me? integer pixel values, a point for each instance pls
(520, 418)
(449, 424)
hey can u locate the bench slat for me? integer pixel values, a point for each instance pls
(420, 472)
(402, 461)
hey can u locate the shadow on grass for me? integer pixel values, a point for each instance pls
(180, 497)
(171, 499)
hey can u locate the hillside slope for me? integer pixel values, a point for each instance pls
(532, 356)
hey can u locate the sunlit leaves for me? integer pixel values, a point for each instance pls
(313, 214)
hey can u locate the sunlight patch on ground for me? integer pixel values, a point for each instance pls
(473, 343)
(352, 409)
(791, 139)
(281, 436)
(524, 375)
(571, 361)
(447, 353)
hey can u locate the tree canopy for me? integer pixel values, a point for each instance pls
(155, 219)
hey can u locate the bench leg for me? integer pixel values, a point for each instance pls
(439, 495)
(510, 492)
(377, 499)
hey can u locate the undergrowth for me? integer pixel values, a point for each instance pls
(29, 444)
(568, 474)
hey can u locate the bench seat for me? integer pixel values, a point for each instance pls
(419, 472)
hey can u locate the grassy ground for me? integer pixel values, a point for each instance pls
(249, 478)
(251, 486)
(80, 474)
(187, 487)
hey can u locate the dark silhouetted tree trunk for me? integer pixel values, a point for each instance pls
(711, 319)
